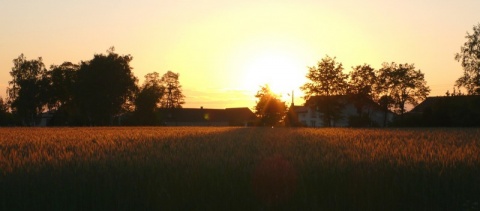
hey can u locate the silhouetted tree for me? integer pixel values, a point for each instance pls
(326, 79)
(400, 85)
(387, 103)
(4, 114)
(104, 85)
(26, 91)
(173, 96)
(362, 85)
(61, 93)
(469, 57)
(269, 108)
(148, 99)
(61, 82)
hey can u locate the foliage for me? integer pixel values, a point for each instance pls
(269, 108)
(61, 84)
(104, 85)
(148, 98)
(5, 116)
(173, 96)
(60, 94)
(401, 84)
(291, 118)
(187, 168)
(361, 90)
(26, 91)
(328, 107)
(469, 57)
(326, 79)
(362, 81)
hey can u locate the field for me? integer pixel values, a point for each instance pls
(185, 168)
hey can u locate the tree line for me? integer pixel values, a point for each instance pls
(104, 90)
(392, 87)
(98, 92)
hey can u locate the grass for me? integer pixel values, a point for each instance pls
(239, 168)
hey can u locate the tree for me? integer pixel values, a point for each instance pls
(269, 108)
(361, 86)
(362, 81)
(326, 79)
(4, 114)
(61, 81)
(401, 84)
(173, 97)
(469, 57)
(105, 85)
(26, 91)
(148, 99)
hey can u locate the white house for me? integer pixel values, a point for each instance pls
(346, 112)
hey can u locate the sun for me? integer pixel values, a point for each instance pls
(279, 69)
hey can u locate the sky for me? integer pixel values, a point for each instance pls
(225, 50)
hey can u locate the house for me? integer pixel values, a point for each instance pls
(209, 117)
(44, 118)
(342, 111)
(447, 111)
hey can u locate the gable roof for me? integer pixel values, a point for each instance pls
(239, 114)
(199, 115)
(433, 101)
(345, 99)
(300, 109)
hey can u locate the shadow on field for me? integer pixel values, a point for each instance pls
(237, 169)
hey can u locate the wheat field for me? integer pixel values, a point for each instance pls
(211, 168)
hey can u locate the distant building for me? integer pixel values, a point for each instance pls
(44, 119)
(447, 111)
(208, 117)
(345, 111)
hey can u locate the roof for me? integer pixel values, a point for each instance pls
(345, 98)
(300, 109)
(230, 115)
(432, 101)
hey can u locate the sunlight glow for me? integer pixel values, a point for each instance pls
(281, 71)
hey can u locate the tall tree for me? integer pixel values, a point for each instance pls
(361, 85)
(401, 84)
(269, 108)
(362, 81)
(104, 85)
(326, 80)
(61, 82)
(148, 99)
(26, 91)
(173, 96)
(469, 57)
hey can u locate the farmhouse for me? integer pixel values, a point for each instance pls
(209, 117)
(448, 111)
(341, 111)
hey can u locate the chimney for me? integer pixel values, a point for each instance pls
(292, 99)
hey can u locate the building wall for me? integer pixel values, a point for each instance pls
(312, 118)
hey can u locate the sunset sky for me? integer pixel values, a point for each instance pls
(224, 50)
